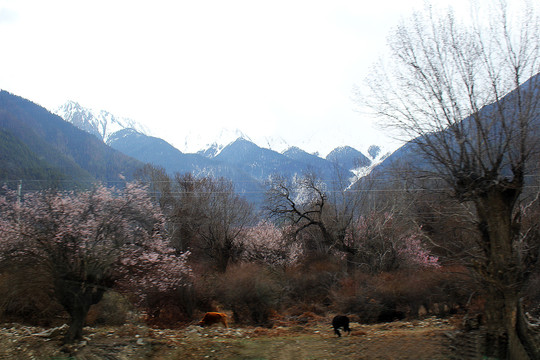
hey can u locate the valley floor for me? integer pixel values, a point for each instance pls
(427, 339)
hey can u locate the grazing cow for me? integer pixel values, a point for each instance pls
(211, 318)
(341, 321)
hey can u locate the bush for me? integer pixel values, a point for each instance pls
(311, 282)
(113, 309)
(353, 295)
(391, 296)
(170, 308)
(250, 292)
(27, 298)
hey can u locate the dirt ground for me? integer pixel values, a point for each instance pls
(311, 338)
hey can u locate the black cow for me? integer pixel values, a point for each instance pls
(341, 321)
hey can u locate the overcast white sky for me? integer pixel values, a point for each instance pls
(267, 67)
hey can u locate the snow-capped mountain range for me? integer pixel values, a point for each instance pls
(103, 124)
(86, 146)
(230, 153)
(212, 141)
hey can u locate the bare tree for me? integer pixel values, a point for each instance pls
(203, 214)
(468, 93)
(307, 203)
(225, 217)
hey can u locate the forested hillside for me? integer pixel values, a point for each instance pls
(17, 161)
(65, 152)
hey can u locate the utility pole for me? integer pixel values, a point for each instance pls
(19, 195)
(19, 192)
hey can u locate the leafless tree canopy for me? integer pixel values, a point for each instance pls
(468, 95)
(444, 71)
(205, 214)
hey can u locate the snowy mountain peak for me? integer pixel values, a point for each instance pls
(294, 151)
(275, 143)
(100, 123)
(215, 141)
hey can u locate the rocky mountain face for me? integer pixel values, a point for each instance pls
(100, 123)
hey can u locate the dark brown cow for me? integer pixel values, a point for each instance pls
(211, 318)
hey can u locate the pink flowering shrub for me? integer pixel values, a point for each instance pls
(413, 252)
(384, 244)
(90, 241)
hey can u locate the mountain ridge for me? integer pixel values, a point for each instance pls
(104, 124)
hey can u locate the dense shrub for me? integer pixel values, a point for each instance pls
(170, 308)
(250, 291)
(311, 282)
(113, 309)
(353, 295)
(27, 298)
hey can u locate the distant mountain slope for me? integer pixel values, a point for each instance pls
(229, 153)
(260, 163)
(326, 170)
(409, 159)
(247, 165)
(18, 162)
(65, 148)
(111, 128)
(160, 153)
(348, 158)
(220, 138)
(156, 151)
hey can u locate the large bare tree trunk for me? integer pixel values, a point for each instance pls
(502, 274)
(77, 318)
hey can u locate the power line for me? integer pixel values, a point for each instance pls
(266, 187)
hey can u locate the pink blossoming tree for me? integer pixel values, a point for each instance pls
(88, 242)
(384, 244)
(267, 244)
